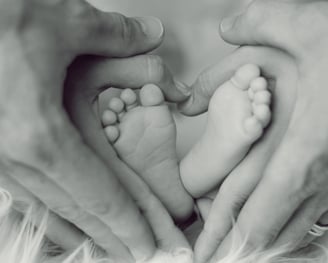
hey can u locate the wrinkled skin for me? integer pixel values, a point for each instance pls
(45, 161)
(280, 190)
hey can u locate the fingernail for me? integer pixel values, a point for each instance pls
(151, 26)
(227, 24)
(183, 88)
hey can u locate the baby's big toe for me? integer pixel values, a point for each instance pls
(151, 95)
(244, 76)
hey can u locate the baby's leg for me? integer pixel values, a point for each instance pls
(144, 137)
(238, 112)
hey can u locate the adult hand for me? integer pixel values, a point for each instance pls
(44, 158)
(286, 188)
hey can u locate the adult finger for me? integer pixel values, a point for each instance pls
(232, 195)
(57, 227)
(92, 31)
(211, 79)
(261, 24)
(224, 209)
(91, 75)
(204, 205)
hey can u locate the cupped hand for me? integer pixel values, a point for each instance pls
(280, 190)
(45, 160)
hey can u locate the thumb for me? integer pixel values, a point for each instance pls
(266, 23)
(112, 34)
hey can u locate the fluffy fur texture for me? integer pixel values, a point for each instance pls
(20, 242)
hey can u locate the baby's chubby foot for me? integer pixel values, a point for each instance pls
(144, 137)
(238, 113)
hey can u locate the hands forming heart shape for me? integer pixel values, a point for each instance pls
(58, 56)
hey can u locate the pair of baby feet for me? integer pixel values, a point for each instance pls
(143, 133)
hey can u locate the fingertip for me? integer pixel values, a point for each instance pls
(227, 24)
(175, 91)
(226, 28)
(194, 105)
(236, 31)
(204, 206)
(151, 26)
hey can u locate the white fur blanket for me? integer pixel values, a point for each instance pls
(20, 242)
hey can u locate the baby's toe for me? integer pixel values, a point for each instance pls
(256, 86)
(151, 95)
(129, 97)
(108, 118)
(259, 84)
(117, 105)
(245, 75)
(112, 133)
(253, 128)
(262, 97)
(262, 113)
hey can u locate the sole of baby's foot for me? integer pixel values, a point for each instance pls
(238, 113)
(144, 137)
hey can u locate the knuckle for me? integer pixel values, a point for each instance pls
(308, 178)
(213, 232)
(235, 199)
(124, 27)
(309, 175)
(151, 204)
(99, 207)
(71, 212)
(24, 205)
(77, 9)
(257, 241)
(80, 17)
(253, 244)
(316, 178)
(35, 147)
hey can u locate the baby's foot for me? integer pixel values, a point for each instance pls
(238, 113)
(144, 137)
